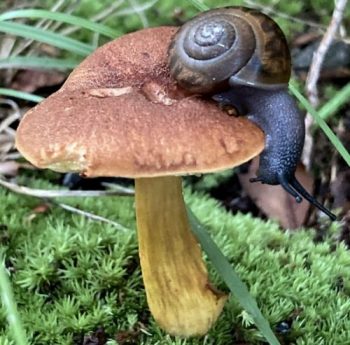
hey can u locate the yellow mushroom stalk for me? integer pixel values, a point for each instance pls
(179, 294)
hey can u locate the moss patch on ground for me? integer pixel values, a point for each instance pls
(72, 276)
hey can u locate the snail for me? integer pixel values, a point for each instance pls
(240, 57)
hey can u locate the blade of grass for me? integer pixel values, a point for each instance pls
(45, 36)
(143, 18)
(230, 277)
(199, 5)
(61, 17)
(342, 97)
(136, 9)
(9, 304)
(329, 133)
(34, 62)
(20, 94)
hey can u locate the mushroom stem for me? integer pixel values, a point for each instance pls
(179, 294)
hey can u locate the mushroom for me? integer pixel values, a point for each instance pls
(120, 114)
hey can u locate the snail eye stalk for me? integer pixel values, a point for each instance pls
(294, 188)
(299, 188)
(287, 187)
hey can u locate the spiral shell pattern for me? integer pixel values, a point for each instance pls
(230, 46)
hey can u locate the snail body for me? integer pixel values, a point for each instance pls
(240, 57)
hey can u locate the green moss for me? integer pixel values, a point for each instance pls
(71, 275)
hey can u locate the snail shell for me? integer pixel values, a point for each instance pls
(230, 46)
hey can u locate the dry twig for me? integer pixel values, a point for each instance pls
(7, 134)
(320, 53)
(23, 44)
(90, 215)
(106, 12)
(314, 72)
(271, 11)
(134, 4)
(51, 194)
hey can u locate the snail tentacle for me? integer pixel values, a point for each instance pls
(300, 189)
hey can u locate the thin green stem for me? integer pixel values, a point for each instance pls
(8, 302)
(45, 36)
(199, 5)
(61, 17)
(231, 278)
(326, 129)
(35, 62)
(22, 95)
(134, 10)
(342, 97)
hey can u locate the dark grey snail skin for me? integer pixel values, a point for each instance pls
(277, 114)
(245, 53)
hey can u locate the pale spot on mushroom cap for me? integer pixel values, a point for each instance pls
(62, 158)
(156, 93)
(110, 92)
(230, 146)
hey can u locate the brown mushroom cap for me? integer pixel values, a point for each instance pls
(120, 114)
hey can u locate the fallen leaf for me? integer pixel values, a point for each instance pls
(274, 201)
(39, 209)
(50, 50)
(9, 168)
(42, 208)
(6, 148)
(305, 38)
(31, 80)
(340, 189)
(127, 337)
(345, 230)
(97, 338)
